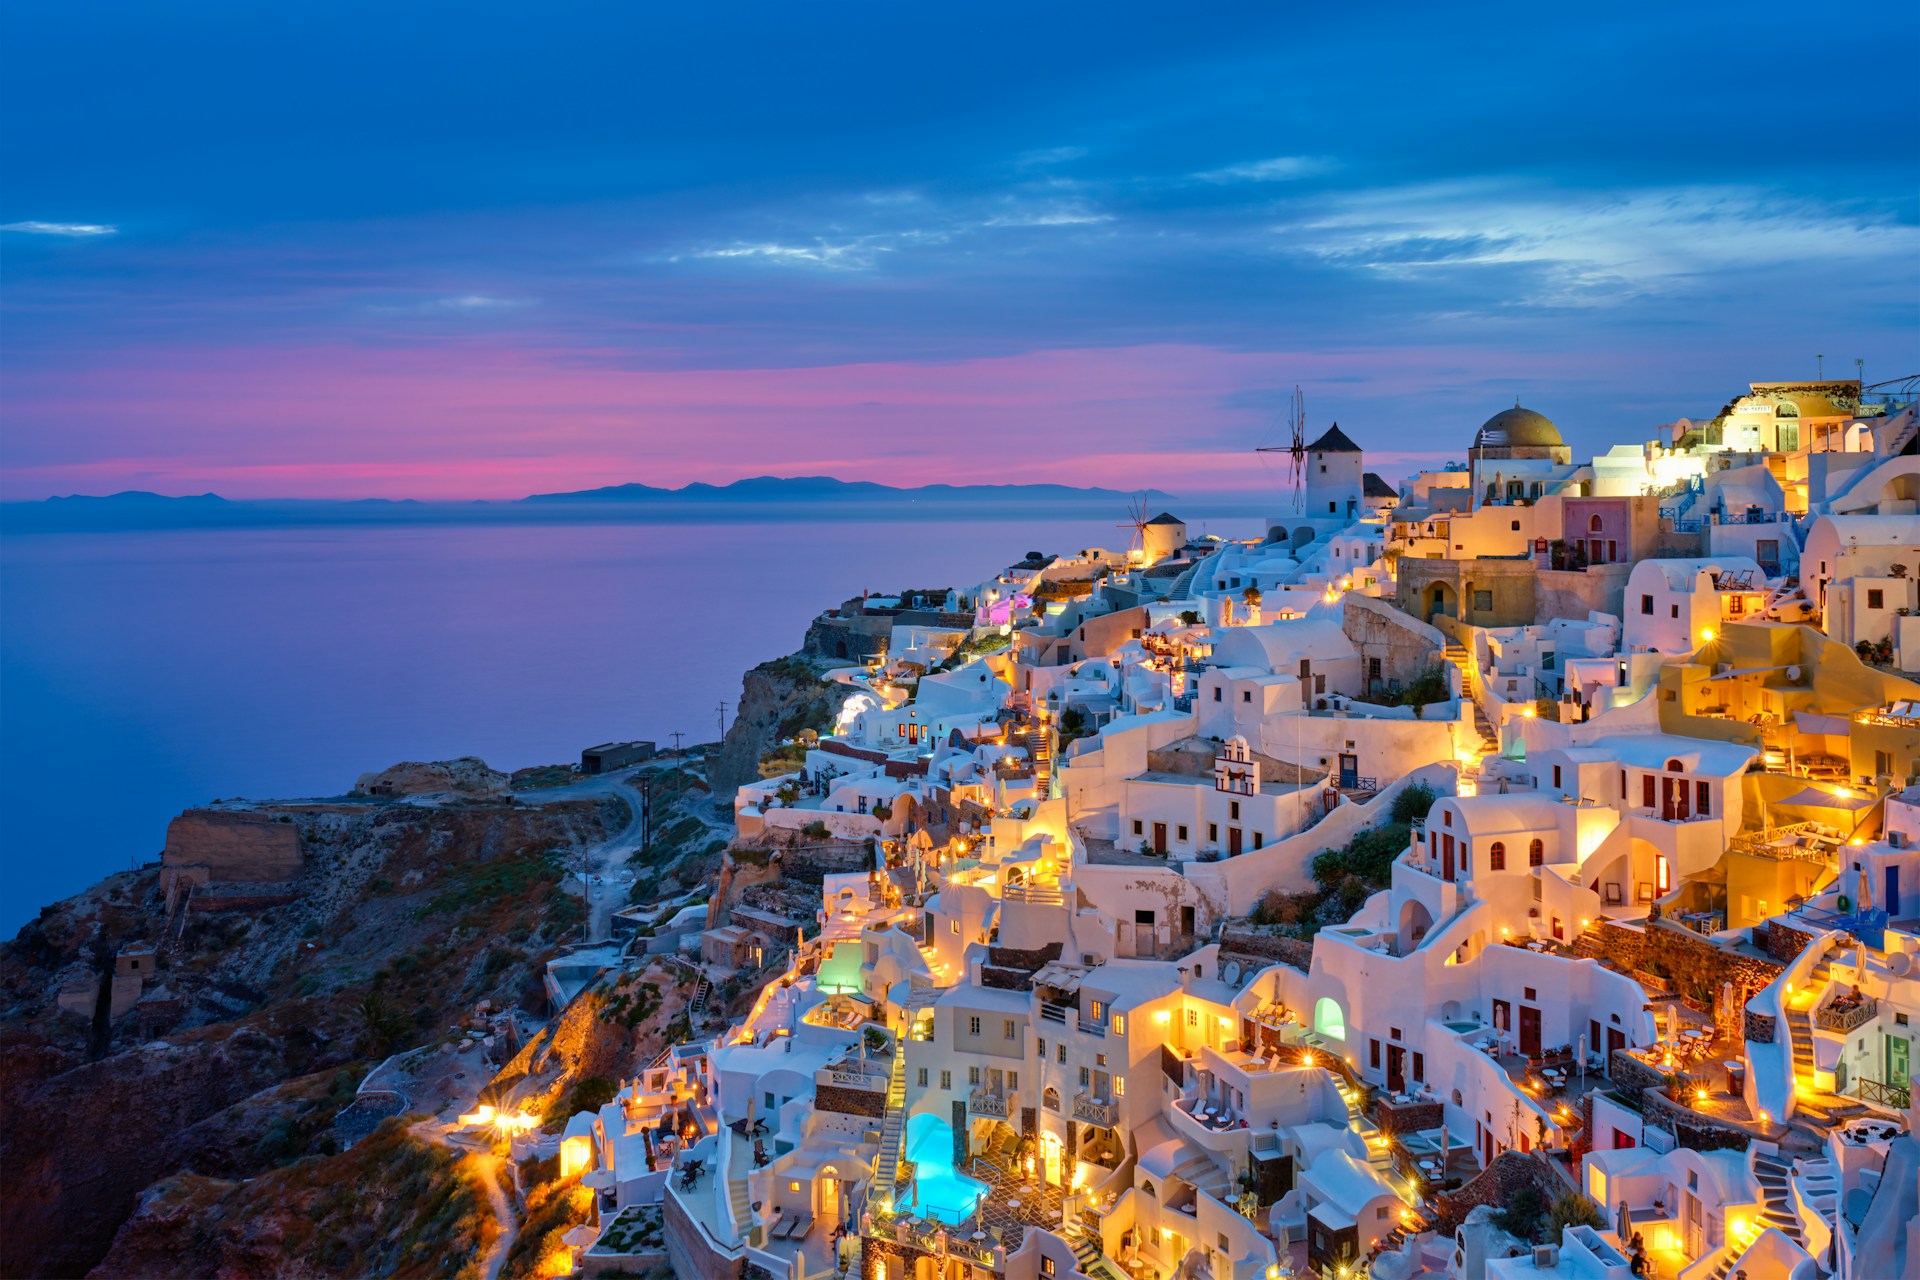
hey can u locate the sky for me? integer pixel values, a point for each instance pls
(481, 250)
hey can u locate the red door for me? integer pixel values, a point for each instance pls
(1396, 1068)
(1446, 858)
(1233, 842)
(1529, 1031)
(1160, 837)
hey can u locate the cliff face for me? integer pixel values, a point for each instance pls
(403, 919)
(777, 700)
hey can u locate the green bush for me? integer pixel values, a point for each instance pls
(1411, 805)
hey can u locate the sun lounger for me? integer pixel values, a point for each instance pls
(781, 1226)
(800, 1226)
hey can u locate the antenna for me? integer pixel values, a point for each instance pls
(1137, 521)
(1821, 365)
(1296, 446)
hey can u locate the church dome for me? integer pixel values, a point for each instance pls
(1518, 427)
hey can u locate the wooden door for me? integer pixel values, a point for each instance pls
(1160, 837)
(1529, 1031)
(1233, 842)
(1396, 1068)
(1616, 1039)
(1446, 858)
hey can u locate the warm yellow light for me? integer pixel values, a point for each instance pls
(1738, 1226)
(1162, 1017)
(1858, 840)
(1584, 922)
(1699, 1095)
(1706, 635)
(1505, 930)
(1765, 1118)
(1528, 711)
(575, 1154)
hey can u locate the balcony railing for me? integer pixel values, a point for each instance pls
(1091, 1110)
(871, 1076)
(1054, 1013)
(1092, 1028)
(1835, 1017)
(1898, 1097)
(986, 1102)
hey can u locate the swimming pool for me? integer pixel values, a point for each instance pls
(1463, 1027)
(841, 971)
(939, 1190)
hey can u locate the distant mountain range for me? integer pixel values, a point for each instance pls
(762, 496)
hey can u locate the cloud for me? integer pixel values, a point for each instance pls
(854, 253)
(478, 302)
(77, 230)
(1278, 169)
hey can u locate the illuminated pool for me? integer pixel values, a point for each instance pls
(939, 1190)
(841, 972)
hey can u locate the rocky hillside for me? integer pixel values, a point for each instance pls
(232, 1061)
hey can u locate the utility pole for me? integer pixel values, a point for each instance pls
(646, 812)
(1821, 366)
(676, 735)
(722, 709)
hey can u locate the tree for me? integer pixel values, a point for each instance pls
(1252, 596)
(1190, 617)
(1525, 1211)
(1571, 1209)
(381, 1022)
(1411, 805)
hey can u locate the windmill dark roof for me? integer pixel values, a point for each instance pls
(1334, 441)
(1374, 487)
(1166, 518)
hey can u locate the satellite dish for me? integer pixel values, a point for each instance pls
(1900, 963)
(1232, 976)
(1793, 673)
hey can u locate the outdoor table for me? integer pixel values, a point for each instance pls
(1013, 1204)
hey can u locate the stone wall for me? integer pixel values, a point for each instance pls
(1574, 593)
(1496, 1185)
(1410, 1119)
(1760, 1027)
(851, 1102)
(1691, 1129)
(1297, 952)
(234, 846)
(1630, 1075)
(1784, 942)
(1406, 647)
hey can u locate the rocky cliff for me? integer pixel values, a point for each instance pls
(777, 700)
(403, 919)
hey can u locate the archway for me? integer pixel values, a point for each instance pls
(1415, 920)
(1441, 601)
(1301, 537)
(1328, 1018)
(1278, 533)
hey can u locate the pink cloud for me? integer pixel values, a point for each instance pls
(501, 421)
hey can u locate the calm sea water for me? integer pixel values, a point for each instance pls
(144, 672)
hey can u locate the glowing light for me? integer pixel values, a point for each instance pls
(575, 1155)
(1528, 711)
(1699, 1095)
(1706, 634)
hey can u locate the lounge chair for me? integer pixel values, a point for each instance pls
(801, 1224)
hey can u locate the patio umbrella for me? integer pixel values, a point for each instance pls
(1860, 961)
(1624, 1223)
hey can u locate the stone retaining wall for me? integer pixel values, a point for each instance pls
(851, 1102)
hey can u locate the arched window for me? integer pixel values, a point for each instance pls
(1593, 525)
(1328, 1020)
(1673, 766)
(1497, 857)
(1536, 853)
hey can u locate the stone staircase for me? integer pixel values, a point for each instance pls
(1457, 655)
(1089, 1258)
(1809, 1099)
(892, 1129)
(740, 1160)
(1039, 745)
(1771, 1172)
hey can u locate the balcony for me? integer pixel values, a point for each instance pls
(854, 1074)
(1091, 1027)
(986, 1102)
(1091, 1110)
(1054, 1013)
(1846, 1013)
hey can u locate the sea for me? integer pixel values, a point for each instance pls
(146, 671)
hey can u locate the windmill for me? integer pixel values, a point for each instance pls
(1137, 521)
(1296, 447)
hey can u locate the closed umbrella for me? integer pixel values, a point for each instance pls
(1624, 1224)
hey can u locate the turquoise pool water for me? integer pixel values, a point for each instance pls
(841, 972)
(939, 1190)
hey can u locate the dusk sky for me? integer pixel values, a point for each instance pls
(458, 251)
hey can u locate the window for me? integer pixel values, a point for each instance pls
(1086, 1077)
(973, 1076)
(1446, 817)
(1527, 993)
(1046, 1265)
(1119, 1024)
(1393, 1033)
(1119, 1086)
(1593, 524)
(1099, 1010)
(1213, 832)
(1259, 838)
(922, 1080)
(1702, 800)
(1042, 1045)
(946, 1079)
(1482, 601)
(1556, 776)
(1007, 1030)
(1876, 598)
(1099, 1059)
(1516, 526)
(1419, 1066)
(1623, 784)
(1193, 1018)
(1536, 853)
(1497, 856)
(1673, 611)
(1216, 693)
(1180, 832)
(769, 1102)
(1373, 1054)
(1013, 1079)
(1319, 683)
(1646, 605)
(1060, 1054)
(1138, 829)
(1233, 810)
(953, 927)
(973, 1026)
(1246, 695)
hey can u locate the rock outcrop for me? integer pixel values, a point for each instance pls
(233, 845)
(467, 777)
(777, 700)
